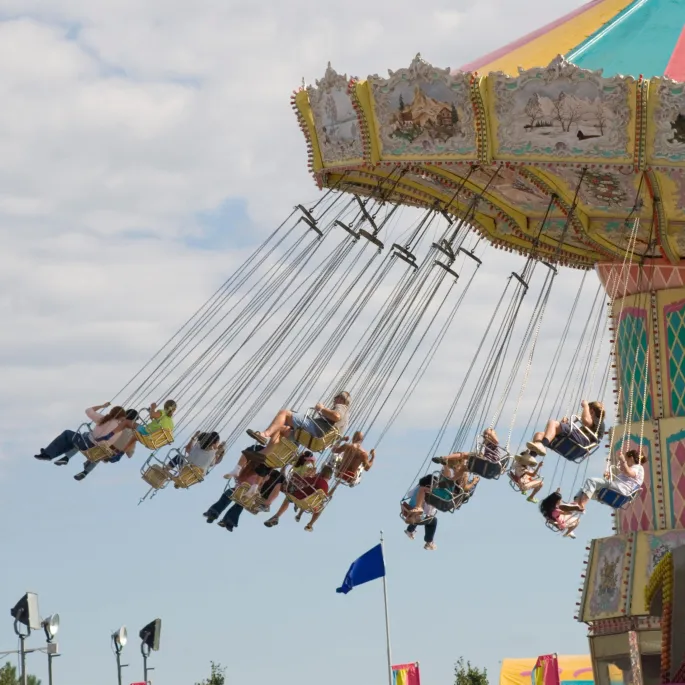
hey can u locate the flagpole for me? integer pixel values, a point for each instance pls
(387, 618)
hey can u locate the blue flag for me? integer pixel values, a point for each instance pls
(368, 567)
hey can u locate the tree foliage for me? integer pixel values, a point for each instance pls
(465, 674)
(216, 677)
(8, 676)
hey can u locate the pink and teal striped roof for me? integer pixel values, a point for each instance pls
(629, 37)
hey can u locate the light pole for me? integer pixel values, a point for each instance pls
(119, 639)
(149, 636)
(25, 613)
(50, 627)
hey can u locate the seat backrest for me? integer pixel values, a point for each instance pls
(489, 470)
(613, 498)
(155, 476)
(189, 475)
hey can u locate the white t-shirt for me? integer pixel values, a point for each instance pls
(102, 429)
(199, 457)
(520, 469)
(627, 485)
(428, 510)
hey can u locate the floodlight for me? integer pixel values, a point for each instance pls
(51, 626)
(26, 612)
(151, 633)
(120, 637)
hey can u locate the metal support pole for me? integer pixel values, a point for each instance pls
(119, 667)
(387, 621)
(22, 651)
(50, 656)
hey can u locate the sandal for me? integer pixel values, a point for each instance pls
(256, 435)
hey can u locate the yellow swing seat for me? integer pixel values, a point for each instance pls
(281, 454)
(312, 504)
(156, 439)
(189, 474)
(156, 476)
(315, 443)
(98, 453)
(252, 503)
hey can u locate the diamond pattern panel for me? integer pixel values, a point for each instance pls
(674, 315)
(640, 514)
(632, 351)
(676, 469)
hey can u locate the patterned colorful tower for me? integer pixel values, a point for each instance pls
(579, 157)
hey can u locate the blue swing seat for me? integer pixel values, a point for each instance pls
(572, 450)
(616, 499)
(489, 469)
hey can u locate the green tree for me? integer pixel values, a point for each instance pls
(8, 676)
(465, 674)
(216, 677)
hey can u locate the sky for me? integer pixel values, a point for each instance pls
(146, 147)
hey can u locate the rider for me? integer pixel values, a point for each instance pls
(301, 489)
(107, 427)
(525, 475)
(592, 417)
(352, 456)
(336, 416)
(562, 515)
(630, 478)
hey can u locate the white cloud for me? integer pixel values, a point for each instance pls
(128, 119)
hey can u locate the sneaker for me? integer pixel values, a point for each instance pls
(273, 521)
(264, 507)
(80, 476)
(229, 527)
(210, 517)
(42, 456)
(411, 534)
(570, 534)
(430, 546)
(439, 460)
(537, 448)
(222, 524)
(532, 499)
(62, 461)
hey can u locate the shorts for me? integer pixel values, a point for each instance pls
(307, 423)
(142, 430)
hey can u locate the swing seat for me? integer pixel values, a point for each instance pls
(156, 439)
(281, 454)
(351, 478)
(156, 476)
(311, 504)
(615, 499)
(490, 470)
(514, 482)
(442, 500)
(98, 452)
(315, 443)
(189, 474)
(554, 526)
(489, 462)
(404, 513)
(254, 504)
(572, 450)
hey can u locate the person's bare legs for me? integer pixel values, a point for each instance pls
(283, 508)
(552, 430)
(534, 486)
(281, 420)
(315, 517)
(571, 525)
(420, 499)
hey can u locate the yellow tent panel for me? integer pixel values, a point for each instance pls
(572, 669)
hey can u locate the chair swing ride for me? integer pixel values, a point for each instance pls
(560, 164)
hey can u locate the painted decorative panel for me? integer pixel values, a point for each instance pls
(666, 130)
(650, 548)
(423, 112)
(562, 111)
(608, 573)
(335, 119)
